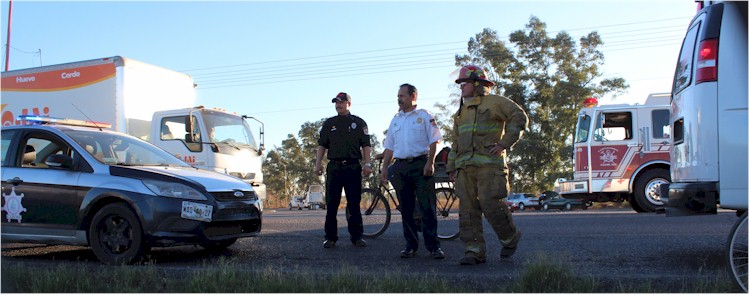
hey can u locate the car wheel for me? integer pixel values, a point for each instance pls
(545, 207)
(568, 207)
(218, 245)
(116, 236)
(521, 207)
(646, 190)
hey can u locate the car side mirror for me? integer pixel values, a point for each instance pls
(59, 161)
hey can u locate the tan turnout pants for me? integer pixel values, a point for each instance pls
(482, 190)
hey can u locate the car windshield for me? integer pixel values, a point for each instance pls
(119, 149)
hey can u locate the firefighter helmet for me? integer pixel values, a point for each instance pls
(473, 73)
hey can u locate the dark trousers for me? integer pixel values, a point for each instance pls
(415, 190)
(348, 177)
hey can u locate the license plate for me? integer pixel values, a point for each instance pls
(196, 211)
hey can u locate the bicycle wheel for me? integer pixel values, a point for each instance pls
(447, 213)
(376, 213)
(737, 253)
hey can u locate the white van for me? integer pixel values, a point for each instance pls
(710, 126)
(709, 113)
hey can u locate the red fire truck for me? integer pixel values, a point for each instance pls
(627, 147)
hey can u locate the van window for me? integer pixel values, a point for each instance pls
(614, 126)
(660, 123)
(684, 71)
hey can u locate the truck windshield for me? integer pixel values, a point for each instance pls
(118, 149)
(582, 129)
(229, 129)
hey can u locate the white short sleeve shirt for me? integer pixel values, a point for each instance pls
(410, 134)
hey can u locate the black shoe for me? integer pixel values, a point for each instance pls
(359, 243)
(329, 244)
(408, 253)
(471, 258)
(437, 254)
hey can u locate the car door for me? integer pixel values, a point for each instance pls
(37, 199)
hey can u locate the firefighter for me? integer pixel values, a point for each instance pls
(486, 126)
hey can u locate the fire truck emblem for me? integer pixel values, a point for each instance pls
(13, 205)
(608, 157)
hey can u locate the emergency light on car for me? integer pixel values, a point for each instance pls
(62, 121)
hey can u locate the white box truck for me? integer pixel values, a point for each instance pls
(143, 100)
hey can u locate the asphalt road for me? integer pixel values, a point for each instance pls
(608, 244)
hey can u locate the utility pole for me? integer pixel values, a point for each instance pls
(7, 43)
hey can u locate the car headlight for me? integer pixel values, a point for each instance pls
(173, 190)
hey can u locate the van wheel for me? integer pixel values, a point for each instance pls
(646, 192)
(116, 236)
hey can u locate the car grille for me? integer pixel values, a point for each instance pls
(229, 196)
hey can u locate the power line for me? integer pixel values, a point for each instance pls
(365, 66)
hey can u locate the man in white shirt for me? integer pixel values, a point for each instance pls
(412, 139)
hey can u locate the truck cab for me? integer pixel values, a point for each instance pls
(621, 152)
(212, 139)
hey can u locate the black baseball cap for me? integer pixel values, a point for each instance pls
(342, 96)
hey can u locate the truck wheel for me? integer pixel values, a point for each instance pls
(116, 236)
(646, 191)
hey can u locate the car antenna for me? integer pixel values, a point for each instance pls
(87, 117)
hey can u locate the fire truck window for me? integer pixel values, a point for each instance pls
(582, 131)
(660, 123)
(614, 127)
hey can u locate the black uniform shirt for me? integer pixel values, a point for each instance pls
(344, 136)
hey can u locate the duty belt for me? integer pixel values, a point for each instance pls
(412, 159)
(345, 161)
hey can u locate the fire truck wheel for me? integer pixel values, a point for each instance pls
(646, 191)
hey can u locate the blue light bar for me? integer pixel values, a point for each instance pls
(63, 121)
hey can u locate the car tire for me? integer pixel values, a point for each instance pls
(521, 207)
(116, 236)
(218, 245)
(646, 189)
(545, 207)
(568, 207)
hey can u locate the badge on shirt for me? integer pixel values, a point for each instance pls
(354, 125)
(419, 120)
(333, 128)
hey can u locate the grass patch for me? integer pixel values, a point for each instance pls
(541, 275)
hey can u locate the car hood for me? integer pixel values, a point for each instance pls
(204, 179)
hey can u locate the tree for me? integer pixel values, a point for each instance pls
(548, 77)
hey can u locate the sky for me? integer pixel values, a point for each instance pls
(282, 61)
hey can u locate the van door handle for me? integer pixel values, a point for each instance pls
(15, 181)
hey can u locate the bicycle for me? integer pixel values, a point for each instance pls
(376, 208)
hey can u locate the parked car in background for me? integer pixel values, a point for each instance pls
(511, 206)
(524, 200)
(553, 200)
(297, 202)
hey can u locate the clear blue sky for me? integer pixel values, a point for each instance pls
(283, 61)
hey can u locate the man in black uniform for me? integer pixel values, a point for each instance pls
(347, 140)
